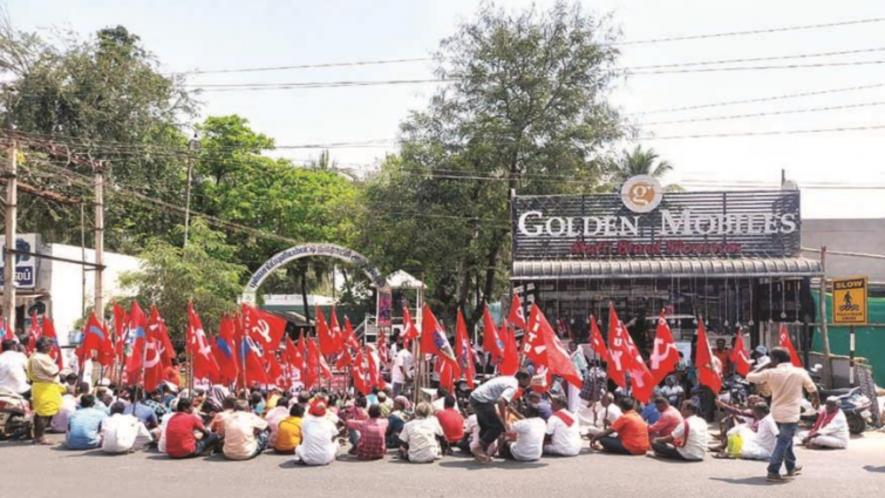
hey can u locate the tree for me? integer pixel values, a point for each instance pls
(105, 99)
(527, 112)
(201, 272)
(639, 161)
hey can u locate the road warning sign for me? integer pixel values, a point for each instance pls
(850, 301)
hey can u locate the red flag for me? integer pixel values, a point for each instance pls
(491, 341)
(49, 333)
(551, 353)
(739, 356)
(316, 364)
(251, 356)
(517, 314)
(374, 370)
(266, 329)
(664, 355)
(349, 335)
(95, 338)
(121, 322)
(708, 375)
(618, 356)
(533, 345)
(510, 359)
(596, 340)
(446, 372)
(787, 343)
(464, 351)
(310, 374)
(34, 333)
(411, 331)
(274, 371)
(434, 340)
(157, 329)
(359, 373)
(293, 356)
(335, 331)
(154, 352)
(328, 343)
(204, 363)
(225, 350)
(134, 348)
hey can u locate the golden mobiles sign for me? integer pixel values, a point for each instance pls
(850, 301)
(642, 220)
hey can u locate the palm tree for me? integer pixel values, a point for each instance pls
(639, 161)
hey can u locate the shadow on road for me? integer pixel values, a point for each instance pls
(507, 465)
(750, 481)
(870, 468)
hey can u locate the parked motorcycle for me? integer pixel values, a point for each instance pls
(855, 405)
(16, 418)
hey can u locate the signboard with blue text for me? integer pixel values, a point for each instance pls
(26, 266)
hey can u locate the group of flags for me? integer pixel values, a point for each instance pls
(622, 357)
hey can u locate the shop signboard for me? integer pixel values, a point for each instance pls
(26, 266)
(644, 221)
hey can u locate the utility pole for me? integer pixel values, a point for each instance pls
(11, 213)
(98, 308)
(824, 335)
(192, 147)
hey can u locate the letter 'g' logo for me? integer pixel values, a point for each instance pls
(642, 193)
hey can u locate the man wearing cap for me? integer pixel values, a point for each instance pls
(318, 433)
(830, 430)
(786, 383)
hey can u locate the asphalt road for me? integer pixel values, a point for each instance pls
(31, 471)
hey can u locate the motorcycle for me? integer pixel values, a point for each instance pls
(855, 405)
(16, 418)
(735, 390)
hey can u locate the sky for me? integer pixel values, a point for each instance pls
(207, 35)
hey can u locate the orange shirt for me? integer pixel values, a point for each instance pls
(633, 432)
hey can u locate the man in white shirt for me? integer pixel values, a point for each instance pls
(13, 369)
(563, 431)
(830, 430)
(786, 383)
(245, 433)
(527, 436)
(420, 437)
(122, 433)
(597, 418)
(318, 433)
(688, 441)
(401, 372)
(59, 421)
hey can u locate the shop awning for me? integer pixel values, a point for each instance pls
(665, 268)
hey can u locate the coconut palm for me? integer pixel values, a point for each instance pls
(639, 161)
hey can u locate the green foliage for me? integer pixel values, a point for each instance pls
(105, 98)
(201, 272)
(639, 161)
(528, 112)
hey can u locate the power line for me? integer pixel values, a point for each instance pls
(762, 99)
(840, 129)
(768, 113)
(306, 66)
(759, 59)
(758, 68)
(256, 86)
(780, 29)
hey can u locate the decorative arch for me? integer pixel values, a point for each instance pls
(305, 250)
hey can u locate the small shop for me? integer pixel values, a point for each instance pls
(732, 257)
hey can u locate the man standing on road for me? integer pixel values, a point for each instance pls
(786, 383)
(490, 403)
(401, 372)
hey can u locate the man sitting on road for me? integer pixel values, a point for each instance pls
(122, 433)
(84, 426)
(452, 423)
(420, 436)
(289, 431)
(563, 432)
(318, 434)
(245, 433)
(830, 430)
(688, 441)
(669, 419)
(370, 442)
(632, 432)
(525, 436)
(600, 416)
(180, 441)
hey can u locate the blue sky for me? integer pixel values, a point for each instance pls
(213, 35)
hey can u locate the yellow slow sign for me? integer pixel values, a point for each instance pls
(850, 301)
